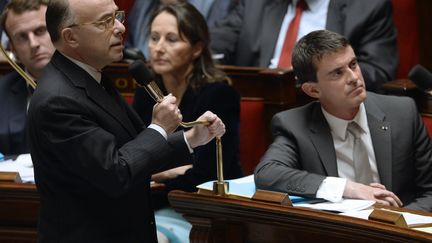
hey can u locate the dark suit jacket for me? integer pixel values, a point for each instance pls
(13, 114)
(249, 34)
(93, 159)
(303, 154)
(222, 100)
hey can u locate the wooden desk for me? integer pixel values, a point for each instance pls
(19, 209)
(220, 219)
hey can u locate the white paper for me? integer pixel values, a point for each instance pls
(242, 187)
(410, 218)
(22, 164)
(345, 205)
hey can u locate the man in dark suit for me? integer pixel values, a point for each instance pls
(92, 156)
(251, 34)
(314, 150)
(24, 23)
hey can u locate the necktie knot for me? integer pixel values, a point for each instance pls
(302, 5)
(354, 129)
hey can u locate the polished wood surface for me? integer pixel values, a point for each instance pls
(19, 206)
(19, 210)
(222, 219)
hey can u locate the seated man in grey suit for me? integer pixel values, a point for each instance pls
(317, 151)
(254, 33)
(24, 23)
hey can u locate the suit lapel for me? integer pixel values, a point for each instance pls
(17, 110)
(274, 13)
(380, 131)
(94, 91)
(323, 141)
(336, 16)
(110, 101)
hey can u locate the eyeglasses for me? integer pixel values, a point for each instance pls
(106, 23)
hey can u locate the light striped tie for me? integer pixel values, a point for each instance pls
(362, 169)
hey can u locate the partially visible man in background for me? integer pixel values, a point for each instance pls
(24, 23)
(262, 33)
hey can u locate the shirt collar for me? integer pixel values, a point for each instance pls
(97, 75)
(339, 126)
(313, 5)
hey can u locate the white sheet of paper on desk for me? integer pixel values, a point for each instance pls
(242, 187)
(424, 229)
(345, 205)
(23, 165)
(410, 218)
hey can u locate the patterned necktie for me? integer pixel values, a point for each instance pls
(362, 169)
(291, 36)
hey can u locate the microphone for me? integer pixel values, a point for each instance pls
(422, 78)
(144, 78)
(132, 54)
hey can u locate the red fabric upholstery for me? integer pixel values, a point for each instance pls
(252, 133)
(128, 98)
(125, 5)
(427, 119)
(406, 22)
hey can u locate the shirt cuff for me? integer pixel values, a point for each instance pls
(159, 129)
(187, 143)
(332, 189)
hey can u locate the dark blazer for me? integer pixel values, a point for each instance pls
(222, 100)
(93, 159)
(302, 153)
(248, 36)
(13, 114)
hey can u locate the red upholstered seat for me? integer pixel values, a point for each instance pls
(128, 98)
(427, 119)
(406, 22)
(252, 133)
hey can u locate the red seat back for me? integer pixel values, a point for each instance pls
(252, 133)
(406, 22)
(427, 119)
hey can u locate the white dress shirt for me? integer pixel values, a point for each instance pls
(315, 18)
(332, 187)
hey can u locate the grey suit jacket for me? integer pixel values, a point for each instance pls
(248, 36)
(93, 159)
(303, 154)
(13, 114)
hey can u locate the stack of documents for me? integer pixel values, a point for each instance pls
(346, 205)
(22, 164)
